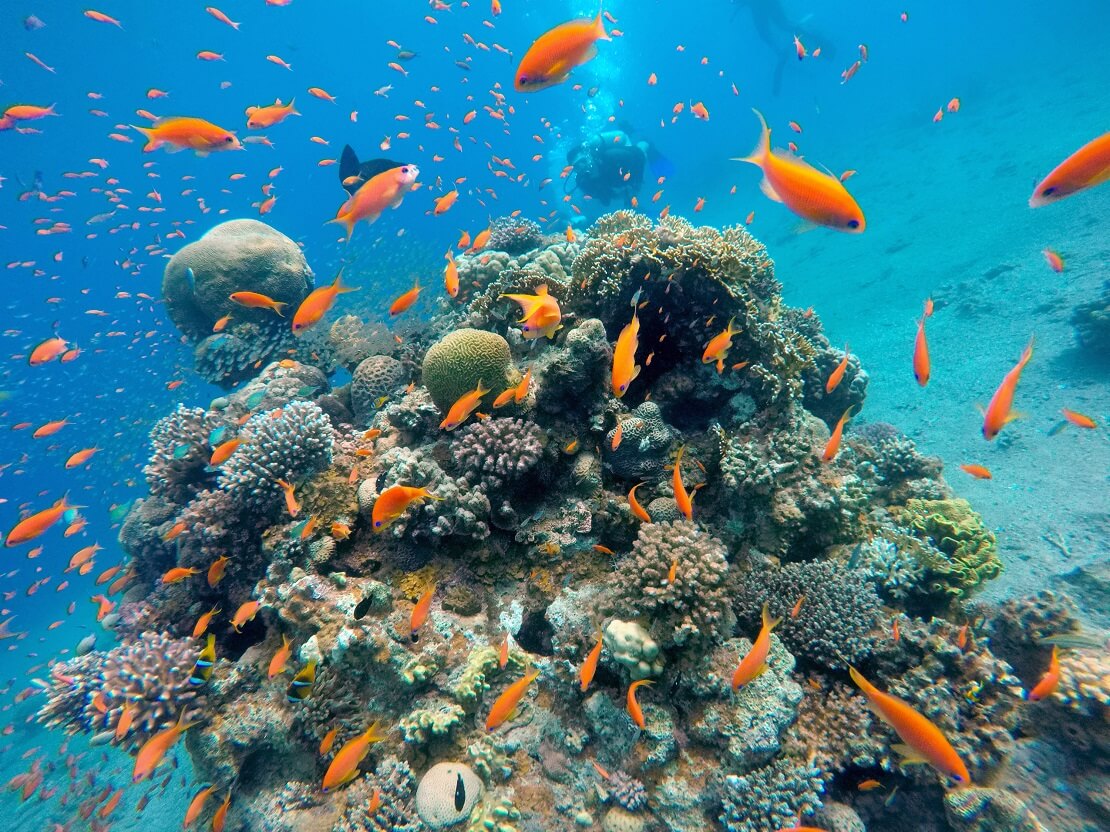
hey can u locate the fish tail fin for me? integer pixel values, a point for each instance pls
(341, 287)
(152, 142)
(857, 677)
(278, 306)
(762, 148)
(599, 23)
(768, 622)
(1027, 353)
(293, 107)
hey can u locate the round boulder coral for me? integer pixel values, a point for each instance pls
(455, 365)
(447, 793)
(376, 376)
(235, 256)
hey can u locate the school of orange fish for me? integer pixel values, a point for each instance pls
(815, 196)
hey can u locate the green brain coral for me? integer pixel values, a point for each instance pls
(455, 365)
(963, 553)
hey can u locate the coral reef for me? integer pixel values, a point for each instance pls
(771, 798)
(455, 364)
(374, 377)
(959, 552)
(645, 438)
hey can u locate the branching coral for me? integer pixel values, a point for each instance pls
(838, 616)
(960, 553)
(394, 781)
(178, 466)
(893, 569)
(514, 235)
(290, 445)
(497, 453)
(771, 798)
(693, 608)
(834, 729)
(149, 676)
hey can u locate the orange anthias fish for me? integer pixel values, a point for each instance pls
(460, 411)
(344, 766)
(201, 627)
(753, 664)
(980, 472)
(921, 366)
(681, 497)
(625, 368)
(998, 413)
(259, 118)
(246, 612)
(832, 447)
(47, 351)
(638, 510)
(222, 452)
(925, 741)
(506, 703)
(80, 457)
(31, 527)
(256, 300)
(444, 203)
(154, 749)
(1049, 681)
(195, 134)
(632, 705)
(550, 59)
(196, 806)
(1087, 167)
(385, 190)
(719, 345)
(394, 501)
(317, 304)
(219, 817)
(328, 741)
(1078, 419)
(589, 666)
(280, 659)
(217, 569)
(291, 503)
(540, 313)
(178, 574)
(815, 196)
(405, 301)
(420, 611)
(837, 375)
(451, 276)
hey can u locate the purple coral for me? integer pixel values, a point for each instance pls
(628, 792)
(149, 675)
(693, 609)
(495, 453)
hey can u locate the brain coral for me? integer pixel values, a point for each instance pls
(149, 675)
(455, 364)
(645, 438)
(837, 618)
(291, 447)
(178, 466)
(235, 256)
(960, 552)
(376, 376)
(446, 795)
(694, 608)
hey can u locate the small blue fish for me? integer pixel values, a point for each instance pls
(306, 390)
(118, 512)
(216, 435)
(255, 399)
(182, 451)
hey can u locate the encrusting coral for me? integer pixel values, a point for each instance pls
(494, 626)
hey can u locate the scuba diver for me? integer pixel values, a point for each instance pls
(777, 31)
(609, 166)
(353, 174)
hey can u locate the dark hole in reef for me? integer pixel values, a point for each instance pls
(535, 633)
(236, 644)
(265, 768)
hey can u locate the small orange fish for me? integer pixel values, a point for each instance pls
(753, 665)
(216, 570)
(221, 324)
(420, 611)
(178, 574)
(921, 365)
(869, 785)
(195, 134)
(998, 413)
(80, 457)
(506, 703)
(719, 345)
(589, 667)
(1077, 419)
(246, 613)
(681, 497)
(460, 411)
(394, 501)
(961, 637)
(49, 429)
(291, 503)
(344, 766)
(796, 610)
(201, 627)
(811, 194)
(1049, 682)
(540, 313)
(219, 818)
(617, 434)
(1087, 167)
(385, 190)
(625, 369)
(196, 805)
(176, 530)
(1054, 260)
(259, 118)
(47, 351)
(925, 741)
(550, 59)
(837, 375)
(503, 653)
(451, 276)
(316, 305)
(632, 705)
(154, 750)
(444, 203)
(328, 741)
(36, 524)
(637, 510)
(406, 300)
(279, 659)
(833, 445)
(255, 300)
(980, 472)
(222, 452)
(699, 111)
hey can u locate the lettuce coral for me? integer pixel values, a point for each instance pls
(960, 553)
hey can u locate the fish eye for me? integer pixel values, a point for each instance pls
(229, 139)
(377, 523)
(624, 387)
(522, 80)
(1049, 191)
(853, 223)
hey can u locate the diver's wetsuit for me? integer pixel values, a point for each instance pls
(608, 166)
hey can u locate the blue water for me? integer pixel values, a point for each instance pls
(945, 203)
